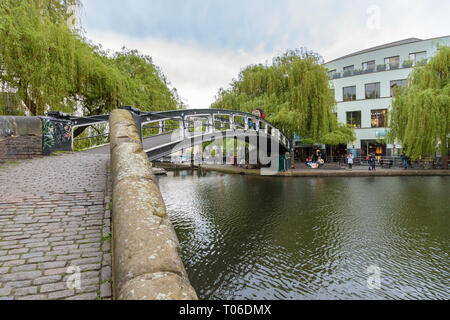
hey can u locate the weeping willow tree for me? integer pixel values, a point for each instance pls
(147, 86)
(294, 94)
(420, 115)
(36, 51)
(48, 64)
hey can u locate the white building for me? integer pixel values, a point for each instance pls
(364, 82)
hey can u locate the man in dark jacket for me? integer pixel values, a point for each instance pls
(372, 161)
(404, 160)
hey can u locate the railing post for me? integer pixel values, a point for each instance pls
(211, 123)
(182, 129)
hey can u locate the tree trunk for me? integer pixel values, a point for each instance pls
(445, 161)
(30, 104)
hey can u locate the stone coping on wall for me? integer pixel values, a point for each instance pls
(20, 126)
(147, 261)
(20, 138)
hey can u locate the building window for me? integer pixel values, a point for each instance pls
(397, 84)
(392, 62)
(373, 90)
(348, 71)
(418, 57)
(331, 74)
(368, 66)
(349, 93)
(354, 119)
(378, 118)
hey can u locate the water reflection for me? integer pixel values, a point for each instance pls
(311, 238)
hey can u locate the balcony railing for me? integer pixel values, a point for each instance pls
(379, 68)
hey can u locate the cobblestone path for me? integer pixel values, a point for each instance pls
(55, 221)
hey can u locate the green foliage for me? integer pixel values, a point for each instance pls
(293, 92)
(147, 86)
(34, 54)
(420, 115)
(10, 104)
(97, 136)
(50, 65)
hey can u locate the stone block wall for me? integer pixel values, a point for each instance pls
(146, 252)
(20, 138)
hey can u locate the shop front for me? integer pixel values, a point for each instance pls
(373, 146)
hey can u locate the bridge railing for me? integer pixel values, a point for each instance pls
(215, 120)
(165, 122)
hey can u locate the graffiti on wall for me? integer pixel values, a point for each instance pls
(56, 135)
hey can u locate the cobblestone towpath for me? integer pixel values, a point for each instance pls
(55, 236)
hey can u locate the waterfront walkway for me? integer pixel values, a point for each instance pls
(361, 171)
(55, 220)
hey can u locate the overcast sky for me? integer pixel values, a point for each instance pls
(201, 45)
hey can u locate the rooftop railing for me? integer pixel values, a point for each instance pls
(379, 68)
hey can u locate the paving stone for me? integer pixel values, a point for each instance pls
(106, 274)
(32, 255)
(86, 261)
(37, 244)
(52, 265)
(25, 267)
(50, 272)
(4, 270)
(107, 259)
(13, 263)
(48, 220)
(53, 287)
(90, 267)
(6, 298)
(42, 259)
(61, 294)
(105, 290)
(47, 279)
(25, 291)
(9, 258)
(106, 247)
(18, 284)
(5, 291)
(88, 288)
(34, 297)
(57, 253)
(19, 276)
(18, 251)
(68, 257)
(85, 296)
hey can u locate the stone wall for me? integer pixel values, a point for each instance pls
(20, 138)
(146, 252)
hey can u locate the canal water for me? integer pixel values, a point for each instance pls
(247, 237)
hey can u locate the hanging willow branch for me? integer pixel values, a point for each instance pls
(420, 115)
(294, 93)
(49, 65)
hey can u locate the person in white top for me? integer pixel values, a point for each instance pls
(350, 160)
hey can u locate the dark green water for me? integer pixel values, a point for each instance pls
(312, 238)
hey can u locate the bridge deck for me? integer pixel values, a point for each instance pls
(54, 214)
